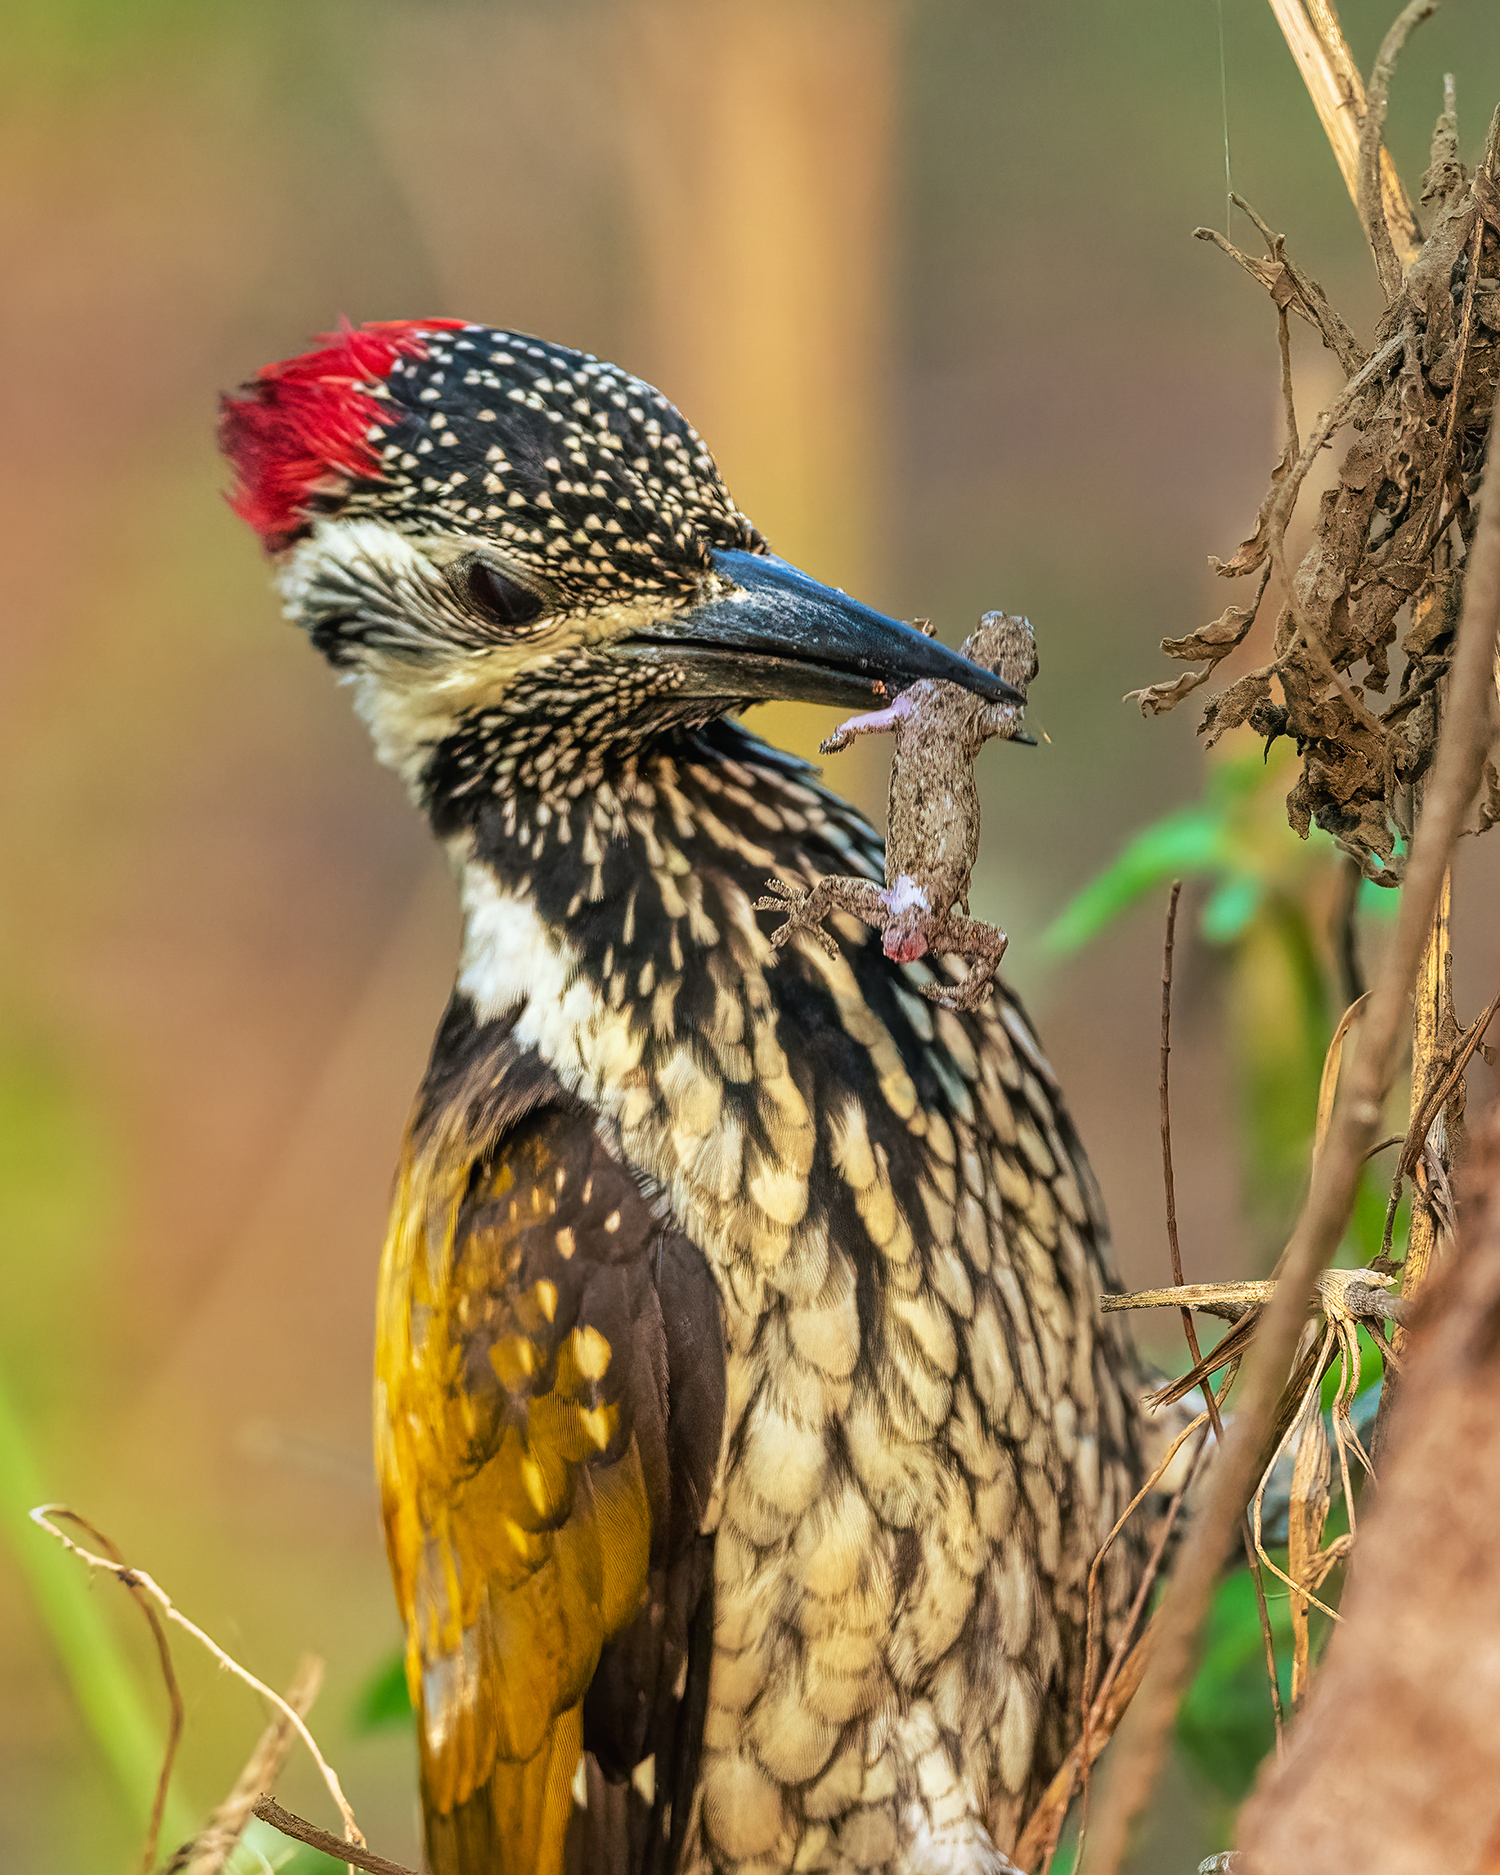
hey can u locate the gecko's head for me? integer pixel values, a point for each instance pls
(1005, 645)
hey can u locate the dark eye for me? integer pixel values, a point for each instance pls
(501, 600)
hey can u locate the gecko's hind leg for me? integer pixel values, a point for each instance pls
(805, 910)
(982, 946)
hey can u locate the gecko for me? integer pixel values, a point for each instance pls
(932, 838)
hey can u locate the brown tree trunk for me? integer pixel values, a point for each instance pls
(1395, 1766)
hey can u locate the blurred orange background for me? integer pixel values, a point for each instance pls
(922, 276)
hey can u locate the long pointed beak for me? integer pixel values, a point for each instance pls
(778, 634)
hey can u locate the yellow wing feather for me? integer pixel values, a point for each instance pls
(517, 1548)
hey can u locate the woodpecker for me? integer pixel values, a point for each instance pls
(745, 1421)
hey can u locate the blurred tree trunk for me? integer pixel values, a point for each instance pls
(759, 153)
(1395, 1765)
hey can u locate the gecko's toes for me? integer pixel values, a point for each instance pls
(961, 997)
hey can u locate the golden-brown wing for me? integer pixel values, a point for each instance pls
(537, 1500)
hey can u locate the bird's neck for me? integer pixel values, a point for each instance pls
(645, 878)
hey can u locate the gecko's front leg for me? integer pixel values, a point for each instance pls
(805, 910)
(872, 723)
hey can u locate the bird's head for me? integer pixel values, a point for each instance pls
(524, 559)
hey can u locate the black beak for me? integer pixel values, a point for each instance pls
(780, 634)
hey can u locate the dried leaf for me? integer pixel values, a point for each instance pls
(1312, 1478)
(1157, 699)
(1283, 288)
(1332, 1061)
(1251, 553)
(1233, 706)
(1225, 634)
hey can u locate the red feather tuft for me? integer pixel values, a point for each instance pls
(301, 429)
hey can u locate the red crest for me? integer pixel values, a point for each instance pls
(302, 427)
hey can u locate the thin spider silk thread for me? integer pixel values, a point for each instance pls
(1224, 106)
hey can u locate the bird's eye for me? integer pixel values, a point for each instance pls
(503, 601)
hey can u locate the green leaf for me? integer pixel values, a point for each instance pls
(1231, 906)
(1225, 1724)
(384, 1701)
(1190, 840)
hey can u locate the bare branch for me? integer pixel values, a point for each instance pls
(137, 1578)
(300, 1830)
(169, 1678)
(1372, 207)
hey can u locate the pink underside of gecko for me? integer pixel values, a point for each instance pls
(904, 939)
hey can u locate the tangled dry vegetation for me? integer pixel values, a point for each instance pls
(1404, 557)
(1391, 536)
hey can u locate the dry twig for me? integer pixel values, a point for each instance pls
(1372, 206)
(1175, 1248)
(134, 1579)
(212, 1847)
(168, 1674)
(300, 1830)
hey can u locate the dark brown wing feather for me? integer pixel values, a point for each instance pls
(551, 1394)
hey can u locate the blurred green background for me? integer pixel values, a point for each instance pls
(922, 275)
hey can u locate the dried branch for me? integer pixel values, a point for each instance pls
(1395, 1763)
(1463, 745)
(300, 1830)
(1372, 207)
(207, 1853)
(168, 1674)
(1291, 289)
(1338, 95)
(1230, 1301)
(138, 1579)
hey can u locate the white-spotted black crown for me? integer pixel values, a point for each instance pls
(578, 471)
